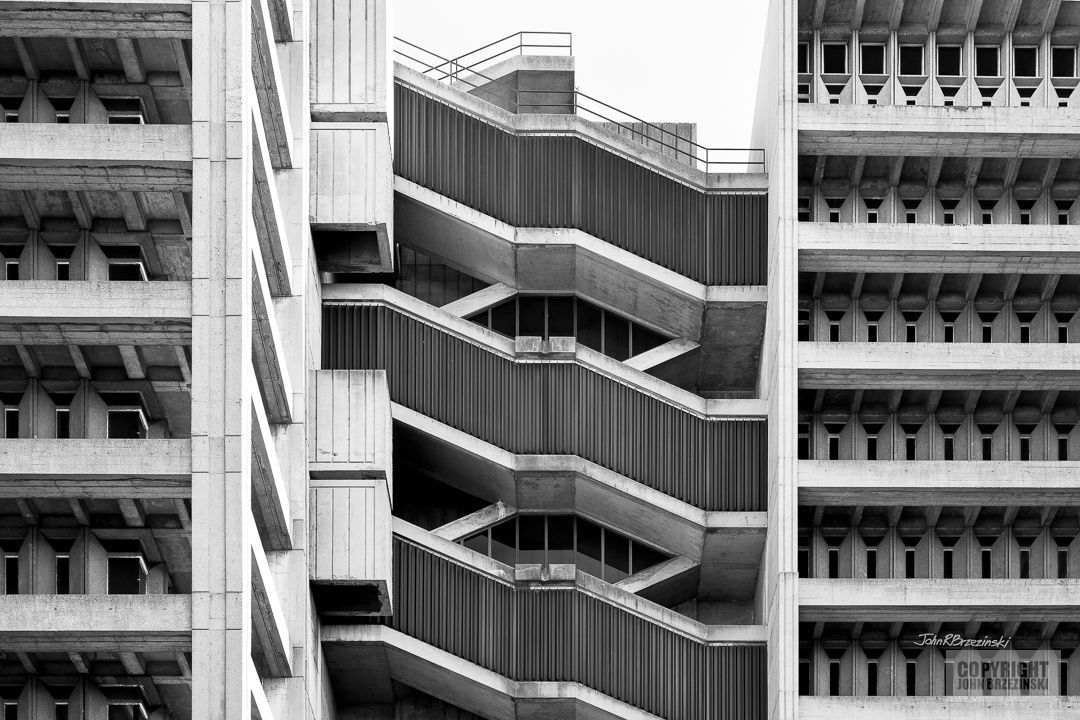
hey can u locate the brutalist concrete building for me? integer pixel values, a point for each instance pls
(345, 379)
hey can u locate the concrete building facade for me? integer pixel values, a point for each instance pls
(342, 379)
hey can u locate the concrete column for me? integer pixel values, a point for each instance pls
(222, 385)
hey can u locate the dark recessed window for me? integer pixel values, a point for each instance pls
(986, 61)
(804, 57)
(1063, 62)
(948, 60)
(911, 59)
(987, 557)
(872, 59)
(127, 574)
(834, 58)
(1025, 61)
(11, 574)
(946, 563)
(871, 563)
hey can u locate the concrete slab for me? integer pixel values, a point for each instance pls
(939, 366)
(927, 482)
(935, 600)
(81, 468)
(940, 708)
(938, 131)
(998, 249)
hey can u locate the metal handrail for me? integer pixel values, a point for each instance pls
(454, 71)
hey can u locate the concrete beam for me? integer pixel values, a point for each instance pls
(480, 300)
(96, 18)
(930, 482)
(914, 600)
(260, 706)
(997, 249)
(89, 469)
(95, 623)
(43, 312)
(268, 355)
(508, 348)
(47, 156)
(269, 496)
(268, 627)
(661, 354)
(938, 131)
(1027, 707)
(268, 216)
(933, 366)
(269, 86)
(482, 518)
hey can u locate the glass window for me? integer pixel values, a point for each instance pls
(560, 538)
(834, 58)
(561, 316)
(1063, 62)
(590, 548)
(804, 57)
(127, 575)
(504, 318)
(531, 312)
(911, 59)
(616, 337)
(1025, 61)
(872, 59)
(949, 60)
(504, 542)
(531, 539)
(616, 557)
(589, 325)
(986, 61)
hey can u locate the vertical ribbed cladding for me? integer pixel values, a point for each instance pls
(564, 634)
(552, 408)
(715, 238)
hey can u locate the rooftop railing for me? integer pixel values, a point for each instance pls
(467, 70)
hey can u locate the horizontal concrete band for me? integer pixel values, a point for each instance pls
(583, 583)
(616, 500)
(472, 687)
(91, 468)
(1027, 707)
(85, 623)
(938, 131)
(862, 247)
(42, 312)
(929, 482)
(559, 350)
(845, 599)
(915, 366)
(567, 124)
(96, 18)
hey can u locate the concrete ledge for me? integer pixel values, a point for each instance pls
(269, 630)
(922, 482)
(96, 18)
(87, 623)
(267, 353)
(43, 312)
(466, 685)
(47, 156)
(268, 216)
(930, 366)
(914, 600)
(938, 131)
(507, 348)
(269, 85)
(546, 124)
(939, 708)
(861, 247)
(269, 496)
(95, 468)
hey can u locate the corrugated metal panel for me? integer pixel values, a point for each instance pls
(563, 634)
(715, 238)
(552, 408)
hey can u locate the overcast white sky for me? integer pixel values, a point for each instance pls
(670, 61)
